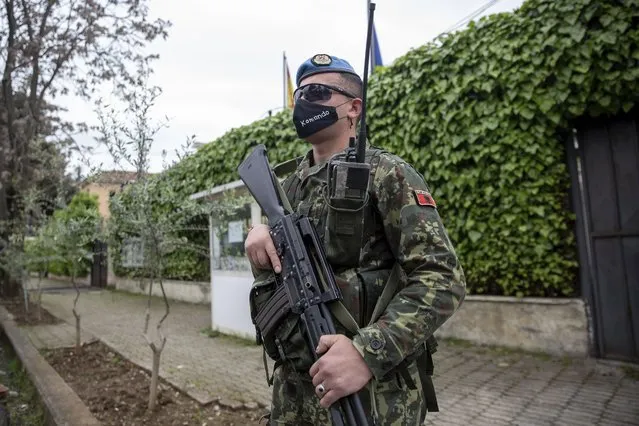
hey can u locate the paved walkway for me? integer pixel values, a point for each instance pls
(476, 386)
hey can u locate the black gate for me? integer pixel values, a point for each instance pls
(99, 268)
(604, 164)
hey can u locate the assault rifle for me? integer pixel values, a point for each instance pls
(306, 283)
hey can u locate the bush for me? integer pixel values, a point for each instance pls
(67, 240)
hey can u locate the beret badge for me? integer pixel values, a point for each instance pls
(321, 60)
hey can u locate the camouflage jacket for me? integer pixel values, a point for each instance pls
(400, 224)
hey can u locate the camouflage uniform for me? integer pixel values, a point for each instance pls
(396, 228)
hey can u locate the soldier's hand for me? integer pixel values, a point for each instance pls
(341, 371)
(261, 250)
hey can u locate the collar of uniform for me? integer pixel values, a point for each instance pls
(304, 166)
(305, 169)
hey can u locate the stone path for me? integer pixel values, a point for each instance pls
(476, 386)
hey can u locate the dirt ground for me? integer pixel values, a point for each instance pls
(34, 316)
(117, 391)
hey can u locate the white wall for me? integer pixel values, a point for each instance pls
(556, 326)
(184, 291)
(230, 312)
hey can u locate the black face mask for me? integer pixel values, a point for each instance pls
(309, 118)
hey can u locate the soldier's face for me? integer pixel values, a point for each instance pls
(340, 101)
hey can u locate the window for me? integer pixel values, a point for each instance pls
(228, 241)
(132, 253)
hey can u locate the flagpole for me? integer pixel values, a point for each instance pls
(368, 6)
(284, 81)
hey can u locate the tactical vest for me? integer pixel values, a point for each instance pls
(343, 226)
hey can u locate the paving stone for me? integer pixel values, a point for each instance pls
(530, 421)
(617, 422)
(576, 421)
(497, 414)
(539, 414)
(613, 416)
(626, 407)
(484, 421)
(571, 412)
(251, 405)
(233, 405)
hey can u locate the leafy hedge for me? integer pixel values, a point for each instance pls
(65, 243)
(216, 163)
(483, 114)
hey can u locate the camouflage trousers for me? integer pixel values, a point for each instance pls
(394, 404)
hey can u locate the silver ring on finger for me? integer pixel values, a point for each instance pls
(320, 389)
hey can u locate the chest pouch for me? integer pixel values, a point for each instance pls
(346, 195)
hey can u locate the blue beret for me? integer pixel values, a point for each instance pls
(323, 63)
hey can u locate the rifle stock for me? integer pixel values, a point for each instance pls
(258, 177)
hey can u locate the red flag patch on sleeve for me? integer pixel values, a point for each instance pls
(424, 198)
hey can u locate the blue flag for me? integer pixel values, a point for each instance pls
(376, 54)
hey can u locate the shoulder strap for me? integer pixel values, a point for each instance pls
(290, 186)
(287, 167)
(373, 159)
(393, 284)
(340, 312)
(342, 315)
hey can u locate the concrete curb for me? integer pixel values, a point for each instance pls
(62, 405)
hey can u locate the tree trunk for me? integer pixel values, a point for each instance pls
(7, 136)
(155, 372)
(25, 290)
(39, 296)
(9, 287)
(78, 345)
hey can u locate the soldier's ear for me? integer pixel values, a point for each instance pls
(355, 109)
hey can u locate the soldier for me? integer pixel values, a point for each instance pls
(394, 239)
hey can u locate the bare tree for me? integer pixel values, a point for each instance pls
(53, 47)
(129, 136)
(74, 230)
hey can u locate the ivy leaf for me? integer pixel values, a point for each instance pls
(492, 123)
(582, 66)
(606, 19)
(609, 37)
(627, 106)
(538, 210)
(474, 236)
(577, 33)
(545, 103)
(527, 113)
